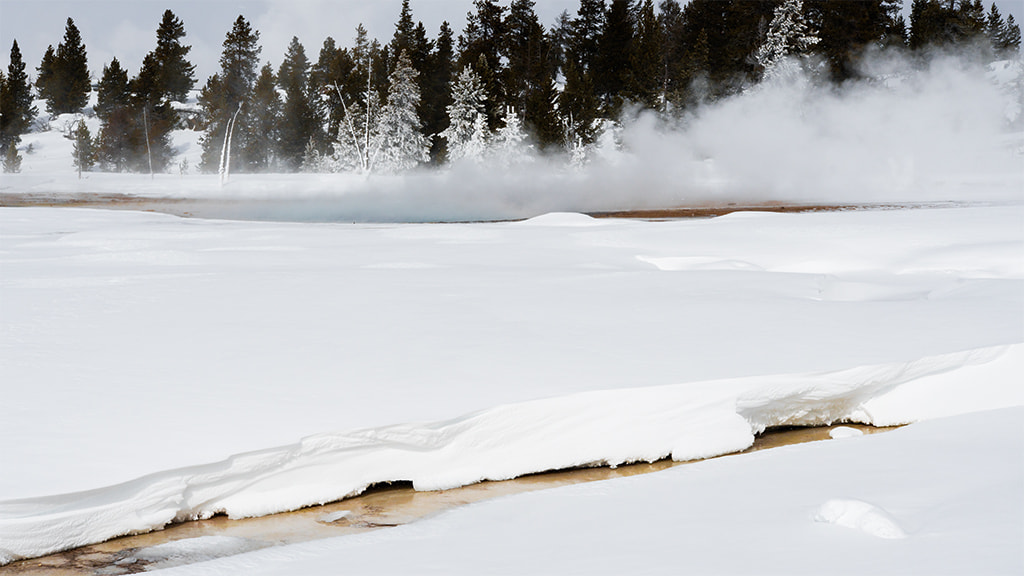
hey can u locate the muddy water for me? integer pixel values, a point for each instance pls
(240, 209)
(380, 507)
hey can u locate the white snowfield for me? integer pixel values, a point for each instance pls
(138, 346)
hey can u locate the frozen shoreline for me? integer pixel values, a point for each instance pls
(684, 422)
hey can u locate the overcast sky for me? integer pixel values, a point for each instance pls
(127, 28)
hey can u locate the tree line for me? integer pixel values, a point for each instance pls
(506, 79)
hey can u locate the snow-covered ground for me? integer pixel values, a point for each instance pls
(138, 347)
(155, 368)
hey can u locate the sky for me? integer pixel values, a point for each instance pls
(127, 28)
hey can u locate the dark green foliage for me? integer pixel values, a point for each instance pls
(529, 77)
(83, 151)
(645, 81)
(267, 122)
(846, 29)
(300, 120)
(46, 69)
(942, 23)
(67, 85)
(16, 110)
(611, 71)
(436, 80)
(12, 160)
(480, 46)
(227, 94)
(1003, 35)
(168, 73)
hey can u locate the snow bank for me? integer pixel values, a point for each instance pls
(951, 486)
(684, 422)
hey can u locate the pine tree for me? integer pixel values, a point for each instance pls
(68, 88)
(437, 95)
(171, 74)
(266, 121)
(113, 90)
(468, 105)
(403, 146)
(16, 110)
(83, 151)
(614, 57)
(509, 147)
(113, 107)
(44, 79)
(12, 160)
(788, 34)
(225, 95)
(1009, 41)
(644, 79)
(480, 46)
(300, 122)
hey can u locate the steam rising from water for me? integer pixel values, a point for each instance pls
(948, 131)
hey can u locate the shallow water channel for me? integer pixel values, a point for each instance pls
(381, 506)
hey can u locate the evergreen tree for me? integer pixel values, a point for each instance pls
(404, 37)
(300, 122)
(403, 145)
(12, 160)
(614, 57)
(508, 147)
(578, 102)
(437, 90)
(645, 75)
(225, 95)
(529, 76)
(267, 122)
(169, 72)
(44, 79)
(467, 107)
(83, 151)
(788, 34)
(112, 92)
(68, 88)
(1009, 41)
(480, 46)
(16, 110)
(113, 107)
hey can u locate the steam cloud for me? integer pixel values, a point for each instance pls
(948, 130)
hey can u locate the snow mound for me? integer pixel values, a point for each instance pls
(844, 432)
(862, 516)
(684, 421)
(685, 263)
(566, 219)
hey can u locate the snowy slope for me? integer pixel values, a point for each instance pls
(941, 497)
(143, 342)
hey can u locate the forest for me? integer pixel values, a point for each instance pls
(505, 84)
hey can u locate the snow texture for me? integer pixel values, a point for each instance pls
(174, 341)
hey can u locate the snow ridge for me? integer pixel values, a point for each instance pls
(684, 421)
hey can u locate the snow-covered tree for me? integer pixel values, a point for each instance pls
(402, 144)
(359, 133)
(509, 146)
(468, 97)
(478, 145)
(789, 33)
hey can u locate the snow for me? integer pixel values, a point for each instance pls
(951, 486)
(862, 516)
(178, 368)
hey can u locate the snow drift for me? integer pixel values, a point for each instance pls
(684, 422)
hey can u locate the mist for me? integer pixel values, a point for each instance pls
(944, 130)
